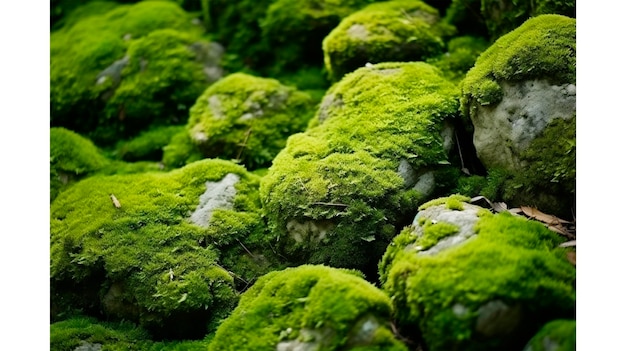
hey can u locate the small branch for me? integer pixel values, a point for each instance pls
(244, 144)
(245, 248)
(330, 204)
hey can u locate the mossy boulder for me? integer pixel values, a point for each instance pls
(309, 308)
(294, 29)
(377, 147)
(160, 249)
(148, 145)
(390, 31)
(113, 74)
(557, 335)
(467, 279)
(461, 55)
(521, 99)
(72, 157)
(247, 118)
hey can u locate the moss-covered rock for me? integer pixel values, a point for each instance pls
(148, 145)
(521, 99)
(161, 249)
(247, 118)
(557, 335)
(309, 308)
(112, 74)
(467, 279)
(460, 57)
(72, 157)
(390, 31)
(294, 30)
(376, 148)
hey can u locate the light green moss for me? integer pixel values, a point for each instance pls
(543, 47)
(342, 173)
(318, 305)
(557, 335)
(72, 157)
(511, 259)
(391, 31)
(247, 118)
(90, 44)
(160, 266)
(454, 201)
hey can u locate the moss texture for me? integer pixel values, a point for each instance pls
(125, 244)
(334, 195)
(309, 307)
(557, 335)
(511, 261)
(460, 57)
(247, 118)
(543, 47)
(95, 62)
(391, 31)
(148, 145)
(78, 333)
(72, 157)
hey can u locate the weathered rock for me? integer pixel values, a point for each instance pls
(309, 308)
(474, 280)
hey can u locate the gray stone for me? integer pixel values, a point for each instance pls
(425, 184)
(407, 173)
(87, 346)
(329, 102)
(497, 319)
(309, 231)
(218, 195)
(503, 131)
(210, 55)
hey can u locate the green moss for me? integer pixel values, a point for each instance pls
(247, 118)
(180, 151)
(557, 335)
(433, 232)
(81, 51)
(155, 266)
(391, 31)
(72, 157)
(147, 145)
(511, 259)
(543, 47)
(460, 57)
(454, 201)
(341, 176)
(294, 30)
(318, 305)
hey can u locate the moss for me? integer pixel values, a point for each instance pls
(512, 260)
(81, 51)
(557, 335)
(147, 145)
(341, 175)
(433, 232)
(180, 151)
(70, 334)
(460, 57)
(294, 30)
(72, 157)
(454, 201)
(146, 261)
(543, 47)
(392, 31)
(312, 306)
(247, 118)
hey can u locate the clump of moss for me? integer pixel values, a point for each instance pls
(453, 202)
(247, 118)
(543, 47)
(511, 267)
(335, 194)
(180, 151)
(391, 31)
(557, 335)
(72, 157)
(460, 57)
(309, 307)
(148, 145)
(81, 332)
(89, 59)
(128, 245)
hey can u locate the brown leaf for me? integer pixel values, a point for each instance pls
(571, 257)
(568, 243)
(540, 216)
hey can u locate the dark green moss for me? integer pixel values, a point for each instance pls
(391, 31)
(309, 306)
(247, 118)
(557, 335)
(180, 151)
(460, 57)
(148, 145)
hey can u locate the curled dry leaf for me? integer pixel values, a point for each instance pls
(116, 203)
(500, 206)
(540, 216)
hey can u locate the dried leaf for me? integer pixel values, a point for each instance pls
(116, 203)
(571, 257)
(500, 206)
(515, 210)
(540, 216)
(477, 198)
(568, 243)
